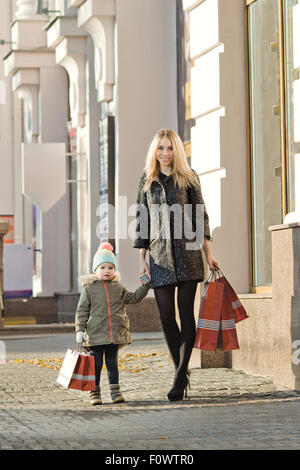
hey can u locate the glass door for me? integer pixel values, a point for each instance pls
(265, 102)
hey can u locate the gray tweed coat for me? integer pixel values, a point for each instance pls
(173, 237)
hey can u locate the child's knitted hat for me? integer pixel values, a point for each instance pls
(104, 255)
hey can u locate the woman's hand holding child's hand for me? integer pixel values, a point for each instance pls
(144, 269)
(145, 279)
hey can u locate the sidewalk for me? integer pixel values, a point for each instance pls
(226, 409)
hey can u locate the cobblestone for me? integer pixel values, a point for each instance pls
(225, 409)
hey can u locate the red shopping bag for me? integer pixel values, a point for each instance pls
(77, 371)
(239, 311)
(220, 310)
(228, 330)
(83, 377)
(208, 325)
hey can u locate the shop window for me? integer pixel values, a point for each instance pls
(291, 17)
(274, 97)
(267, 126)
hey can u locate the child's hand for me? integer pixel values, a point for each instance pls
(145, 279)
(80, 337)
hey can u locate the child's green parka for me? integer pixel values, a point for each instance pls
(101, 311)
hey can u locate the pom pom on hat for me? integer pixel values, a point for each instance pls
(106, 246)
(104, 255)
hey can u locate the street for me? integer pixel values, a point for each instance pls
(225, 409)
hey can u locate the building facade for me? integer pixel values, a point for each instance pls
(241, 70)
(243, 107)
(78, 74)
(92, 75)
(102, 76)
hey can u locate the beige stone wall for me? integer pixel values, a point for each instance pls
(255, 335)
(286, 300)
(268, 338)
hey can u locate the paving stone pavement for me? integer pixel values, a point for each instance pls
(225, 409)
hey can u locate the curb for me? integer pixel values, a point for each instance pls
(54, 328)
(37, 329)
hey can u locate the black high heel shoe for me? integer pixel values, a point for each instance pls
(179, 391)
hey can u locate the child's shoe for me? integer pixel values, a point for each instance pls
(95, 397)
(116, 395)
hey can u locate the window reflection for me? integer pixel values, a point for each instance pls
(265, 133)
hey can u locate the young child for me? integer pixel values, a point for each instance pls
(101, 321)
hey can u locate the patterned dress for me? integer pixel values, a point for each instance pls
(173, 255)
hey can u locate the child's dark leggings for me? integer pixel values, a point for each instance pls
(111, 361)
(181, 340)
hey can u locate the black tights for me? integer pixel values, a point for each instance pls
(180, 341)
(111, 361)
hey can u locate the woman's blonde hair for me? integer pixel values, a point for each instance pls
(183, 176)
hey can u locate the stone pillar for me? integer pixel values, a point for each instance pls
(29, 48)
(98, 19)
(42, 113)
(4, 227)
(71, 53)
(285, 326)
(74, 51)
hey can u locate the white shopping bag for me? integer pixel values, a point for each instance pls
(67, 368)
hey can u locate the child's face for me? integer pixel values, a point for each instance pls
(105, 271)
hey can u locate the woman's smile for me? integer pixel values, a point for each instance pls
(165, 153)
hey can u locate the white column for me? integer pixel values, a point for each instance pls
(25, 9)
(219, 138)
(98, 19)
(71, 54)
(146, 99)
(26, 81)
(54, 233)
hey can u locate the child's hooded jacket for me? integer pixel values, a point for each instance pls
(101, 311)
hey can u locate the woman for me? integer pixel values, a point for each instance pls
(169, 182)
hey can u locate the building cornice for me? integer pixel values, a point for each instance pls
(71, 54)
(98, 19)
(27, 58)
(63, 27)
